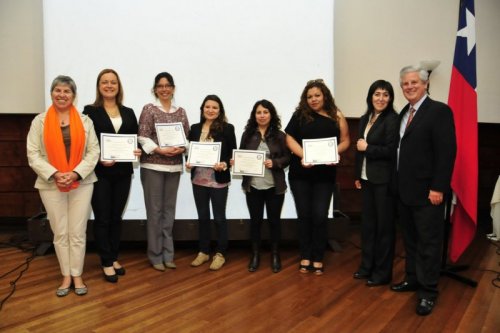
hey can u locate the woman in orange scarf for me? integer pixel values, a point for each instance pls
(63, 150)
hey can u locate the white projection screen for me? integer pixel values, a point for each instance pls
(242, 51)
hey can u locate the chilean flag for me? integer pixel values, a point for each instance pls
(463, 101)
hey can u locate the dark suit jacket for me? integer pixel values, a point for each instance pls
(382, 142)
(228, 140)
(102, 124)
(427, 153)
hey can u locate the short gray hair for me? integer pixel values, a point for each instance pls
(64, 80)
(422, 73)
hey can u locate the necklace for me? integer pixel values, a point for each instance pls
(113, 113)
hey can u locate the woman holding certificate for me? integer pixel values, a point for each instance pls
(211, 182)
(376, 149)
(63, 150)
(312, 181)
(161, 168)
(114, 178)
(263, 133)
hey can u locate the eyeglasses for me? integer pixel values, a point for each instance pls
(164, 86)
(315, 81)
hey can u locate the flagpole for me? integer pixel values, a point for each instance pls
(451, 270)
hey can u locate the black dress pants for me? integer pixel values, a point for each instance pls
(423, 230)
(108, 202)
(377, 232)
(312, 201)
(256, 200)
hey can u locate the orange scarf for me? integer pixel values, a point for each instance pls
(54, 144)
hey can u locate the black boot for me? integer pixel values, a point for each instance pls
(275, 259)
(255, 260)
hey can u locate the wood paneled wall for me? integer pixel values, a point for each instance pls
(18, 198)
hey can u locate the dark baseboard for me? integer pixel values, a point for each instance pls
(187, 230)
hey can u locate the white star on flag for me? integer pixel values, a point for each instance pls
(469, 31)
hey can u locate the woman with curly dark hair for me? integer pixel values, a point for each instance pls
(263, 132)
(312, 186)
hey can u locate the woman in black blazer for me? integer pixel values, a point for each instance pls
(374, 164)
(211, 184)
(113, 186)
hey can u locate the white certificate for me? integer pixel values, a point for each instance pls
(320, 151)
(204, 154)
(249, 162)
(170, 135)
(118, 147)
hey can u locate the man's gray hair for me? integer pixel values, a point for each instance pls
(422, 73)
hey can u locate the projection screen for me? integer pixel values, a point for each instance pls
(242, 51)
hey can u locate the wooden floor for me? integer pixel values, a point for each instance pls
(233, 300)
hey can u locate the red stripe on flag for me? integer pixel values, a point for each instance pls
(463, 102)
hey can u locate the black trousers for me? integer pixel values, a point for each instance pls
(312, 201)
(108, 202)
(202, 197)
(256, 200)
(423, 230)
(377, 232)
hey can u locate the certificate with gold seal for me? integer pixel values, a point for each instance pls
(170, 135)
(320, 151)
(205, 154)
(249, 162)
(118, 147)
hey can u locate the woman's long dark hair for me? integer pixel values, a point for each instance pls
(274, 124)
(383, 85)
(304, 111)
(217, 125)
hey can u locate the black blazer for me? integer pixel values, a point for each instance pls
(382, 142)
(228, 140)
(427, 153)
(102, 124)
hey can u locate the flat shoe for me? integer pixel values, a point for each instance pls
(81, 291)
(113, 278)
(171, 265)
(424, 307)
(61, 292)
(120, 271)
(110, 278)
(159, 267)
(404, 287)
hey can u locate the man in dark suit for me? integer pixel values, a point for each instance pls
(426, 155)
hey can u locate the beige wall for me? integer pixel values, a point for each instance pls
(21, 57)
(375, 39)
